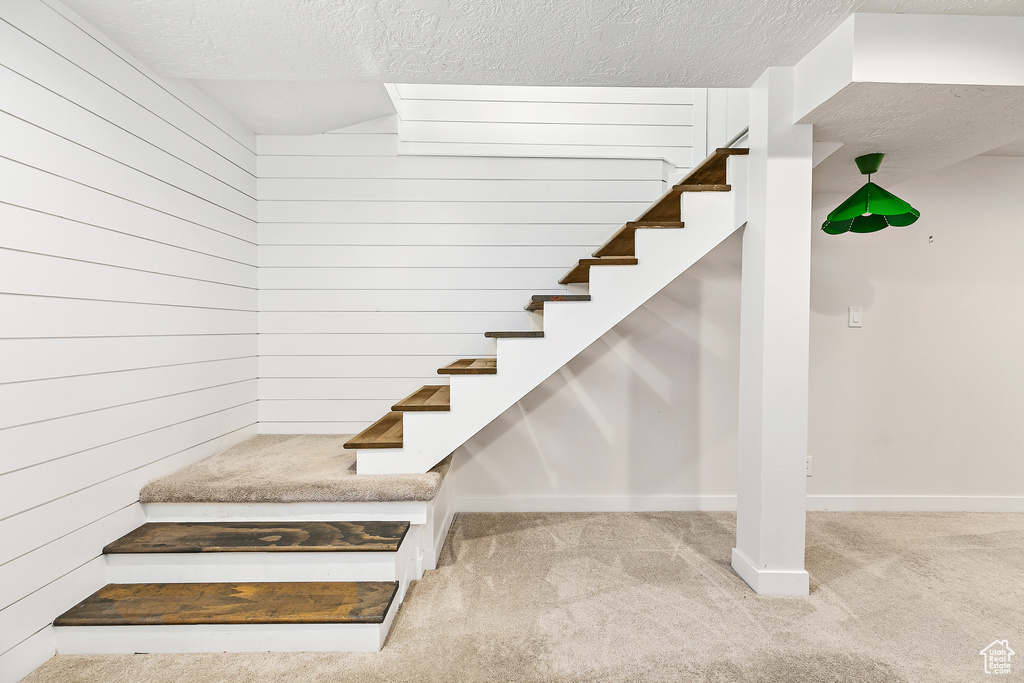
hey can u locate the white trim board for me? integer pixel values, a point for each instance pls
(223, 638)
(685, 503)
(231, 567)
(771, 581)
(414, 512)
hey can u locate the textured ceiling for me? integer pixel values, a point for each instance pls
(919, 127)
(700, 43)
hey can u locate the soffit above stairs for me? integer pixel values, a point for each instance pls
(703, 43)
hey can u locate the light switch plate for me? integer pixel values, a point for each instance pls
(856, 316)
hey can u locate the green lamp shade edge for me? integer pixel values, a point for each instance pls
(870, 209)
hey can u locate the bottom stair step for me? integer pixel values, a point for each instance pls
(384, 433)
(241, 552)
(238, 617)
(223, 537)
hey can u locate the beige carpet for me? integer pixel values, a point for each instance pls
(651, 597)
(273, 468)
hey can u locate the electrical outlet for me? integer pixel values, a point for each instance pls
(809, 457)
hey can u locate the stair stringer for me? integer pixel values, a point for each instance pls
(569, 328)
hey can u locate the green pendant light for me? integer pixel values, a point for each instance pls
(870, 208)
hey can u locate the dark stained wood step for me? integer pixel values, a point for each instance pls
(226, 537)
(384, 433)
(471, 366)
(532, 334)
(711, 171)
(707, 176)
(537, 301)
(430, 397)
(581, 271)
(294, 602)
(623, 243)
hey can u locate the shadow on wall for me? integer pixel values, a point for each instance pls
(647, 410)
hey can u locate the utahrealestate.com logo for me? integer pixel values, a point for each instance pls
(997, 657)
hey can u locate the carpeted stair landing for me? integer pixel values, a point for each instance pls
(274, 468)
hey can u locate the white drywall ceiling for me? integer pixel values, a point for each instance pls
(701, 43)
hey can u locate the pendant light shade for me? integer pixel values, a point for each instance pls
(870, 208)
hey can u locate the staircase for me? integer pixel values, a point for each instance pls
(213, 587)
(317, 564)
(627, 270)
(238, 573)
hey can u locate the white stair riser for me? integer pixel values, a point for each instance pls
(223, 638)
(414, 512)
(234, 567)
(710, 217)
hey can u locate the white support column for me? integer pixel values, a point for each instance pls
(774, 322)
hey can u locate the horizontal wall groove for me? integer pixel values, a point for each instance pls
(130, 201)
(136, 336)
(122, 405)
(131, 235)
(65, 535)
(126, 438)
(129, 166)
(120, 474)
(131, 303)
(158, 84)
(123, 370)
(475, 246)
(499, 122)
(126, 96)
(135, 270)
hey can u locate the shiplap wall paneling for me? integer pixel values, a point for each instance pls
(669, 123)
(377, 269)
(128, 303)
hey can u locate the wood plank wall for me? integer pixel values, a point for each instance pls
(127, 303)
(667, 123)
(377, 269)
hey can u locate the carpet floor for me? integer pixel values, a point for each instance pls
(651, 597)
(289, 468)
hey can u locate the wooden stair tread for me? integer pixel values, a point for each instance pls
(531, 334)
(221, 537)
(623, 243)
(707, 176)
(581, 271)
(293, 602)
(430, 397)
(384, 433)
(537, 301)
(711, 171)
(471, 366)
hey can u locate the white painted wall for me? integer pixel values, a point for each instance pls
(645, 418)
(919, 409)
(376, 269)
(489, 120)
(127, 304)
(925, 399)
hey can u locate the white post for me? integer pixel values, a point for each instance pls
(774, 322)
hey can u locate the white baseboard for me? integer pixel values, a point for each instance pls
(710, 503)
(593, 503)
(916, 503)
(27, 656)
(223, 638)
(768, 581)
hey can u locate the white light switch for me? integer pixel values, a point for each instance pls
(856, 316)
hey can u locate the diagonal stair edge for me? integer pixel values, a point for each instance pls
(664, 254)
